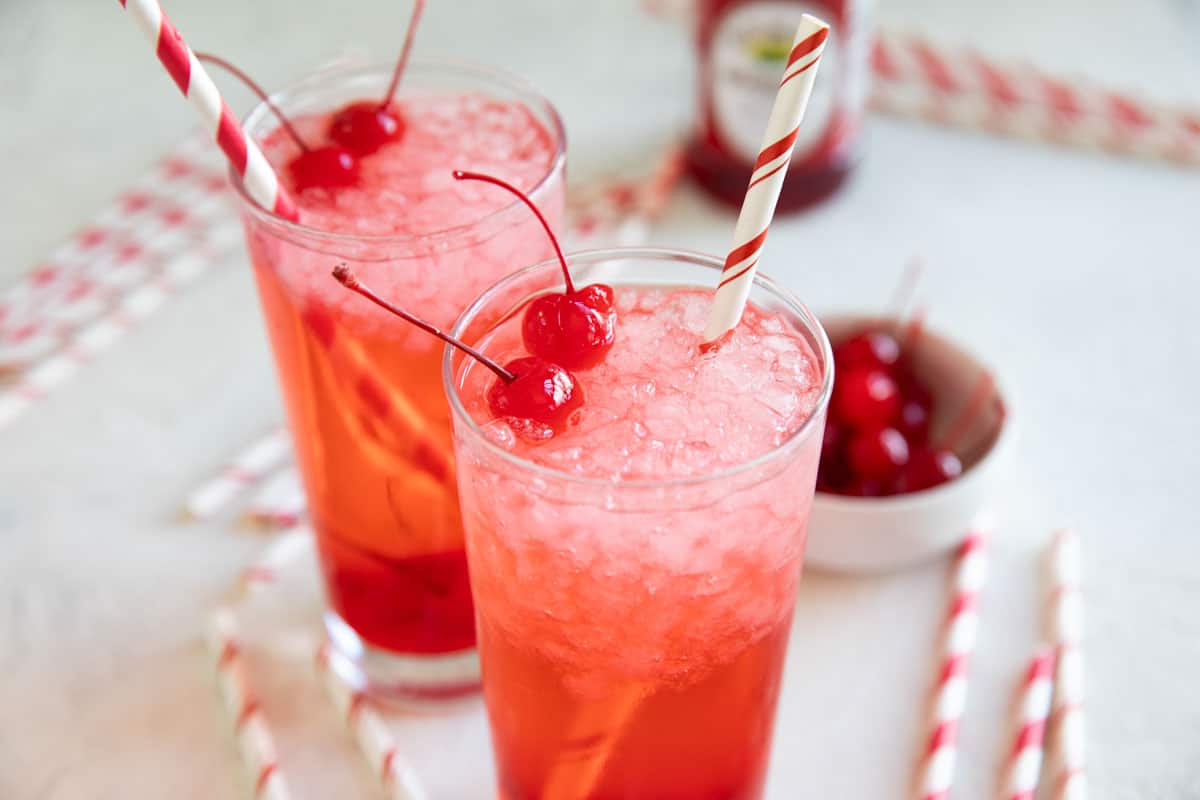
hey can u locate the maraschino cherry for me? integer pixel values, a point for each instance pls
(529, 388)
(866, 397)
(877, 439)
(927, 468)
(873, 349)
(576, 328)
(330, 166)
(937, 463)
(366, 126)
(877, 454)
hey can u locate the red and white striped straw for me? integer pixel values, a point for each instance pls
(118, 251)
(766, 181)
(264, 572)
(622, 209)
(1067, 603)
(248, 468)
(1025, 768)
(280, 503)
(254, 740)
(251, 165)
(960, 87)
(970, 575)
(370, 732)
(89, 343)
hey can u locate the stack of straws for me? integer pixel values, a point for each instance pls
(154, 240)
(1055, 674)
(254, 738)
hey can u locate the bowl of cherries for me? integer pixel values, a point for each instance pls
(916, 430)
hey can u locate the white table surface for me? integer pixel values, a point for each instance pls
(1077, 275)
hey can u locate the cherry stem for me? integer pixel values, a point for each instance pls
(350, 281)
(975, 403)
(209, 58)
(402, 62)
(524, 198)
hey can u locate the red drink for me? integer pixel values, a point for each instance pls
(368, 417)
(635, 574)
(743, 46)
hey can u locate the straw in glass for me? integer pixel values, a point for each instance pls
(766, 180)
(177, 58)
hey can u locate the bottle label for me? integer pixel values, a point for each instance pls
(749, 51)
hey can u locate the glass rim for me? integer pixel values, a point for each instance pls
(330, 73)
(797, 308)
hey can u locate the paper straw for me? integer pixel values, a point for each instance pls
(766, 180)
(958, 87)
(285, 548)
(370, 732)
(622, 209)
(88, 344)
(254, 740)
(189, 75)
(1034, 708)
(280, 503)
(906, 290)
(122, 248)
(1067, 611)
(579, 775)
(970, 575)
(248, 468)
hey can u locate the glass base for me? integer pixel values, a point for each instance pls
(402, 678)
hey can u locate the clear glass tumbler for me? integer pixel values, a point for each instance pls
(632, 633)
(368, 418)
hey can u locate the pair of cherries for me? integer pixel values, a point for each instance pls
(358, 130)
(573, 330)
(355, 132)
(877, 439)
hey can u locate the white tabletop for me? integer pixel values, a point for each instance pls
(1077, 275)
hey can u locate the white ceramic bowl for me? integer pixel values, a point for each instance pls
(882, 534)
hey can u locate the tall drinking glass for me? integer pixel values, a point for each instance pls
(368, 418)
(634, 580)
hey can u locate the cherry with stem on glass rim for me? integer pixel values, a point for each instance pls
(528, 388)
(366, 126)
(576, 328)
(330, 166)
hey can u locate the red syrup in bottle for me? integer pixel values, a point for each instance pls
(743, 46)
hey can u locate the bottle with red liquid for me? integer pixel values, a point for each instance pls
(743, 47)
